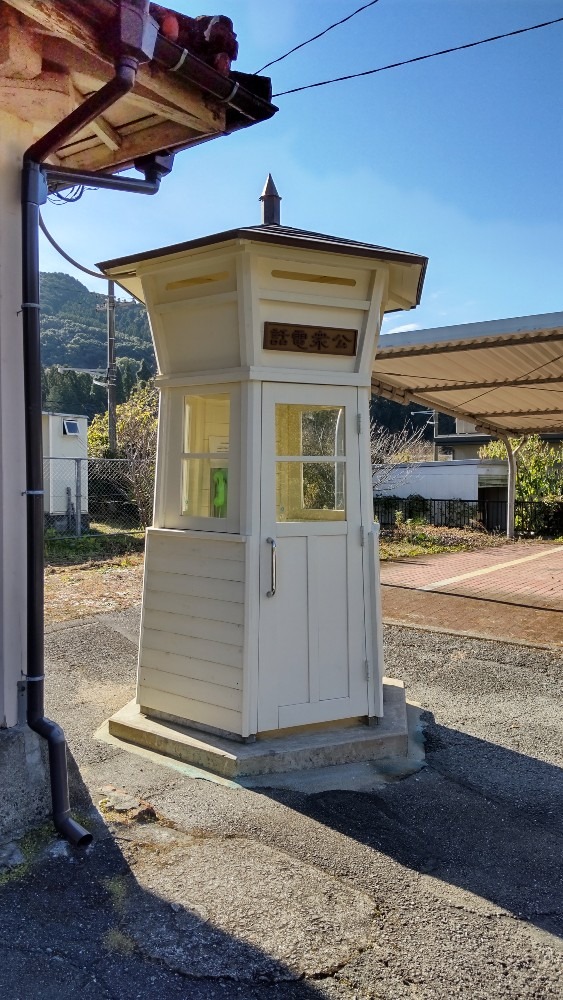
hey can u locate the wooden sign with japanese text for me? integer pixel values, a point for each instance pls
(310, 339)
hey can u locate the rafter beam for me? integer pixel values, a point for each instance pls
(485, 426)
(402, 396)
(143, 98)
(476, 344)
(530, 381)
(524, 431)
(100, 127)
(155, 136)
(517, 413)
(52, 16)
(151, 81)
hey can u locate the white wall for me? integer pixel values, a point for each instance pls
(16, 137)
(440, 480)
(59, 469)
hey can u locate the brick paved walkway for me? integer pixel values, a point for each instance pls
(514, 592)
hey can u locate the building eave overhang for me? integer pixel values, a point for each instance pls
(122, 268)
(178, 101)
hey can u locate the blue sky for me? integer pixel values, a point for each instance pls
(458, 158)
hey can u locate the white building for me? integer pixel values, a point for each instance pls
(65, 469)
(472, 479)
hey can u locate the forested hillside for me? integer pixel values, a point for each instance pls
(74, 336)
(73, 329)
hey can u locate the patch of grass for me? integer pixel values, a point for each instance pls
(389, 550)
(410, 539)
(31, 846)
(116, 941)
(91, 548)
(118, 891)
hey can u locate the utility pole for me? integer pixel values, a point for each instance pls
(112, 369)
(110, 378)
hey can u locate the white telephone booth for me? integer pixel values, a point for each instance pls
(261, 607)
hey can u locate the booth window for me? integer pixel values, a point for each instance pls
(205, 458)
(310, 463)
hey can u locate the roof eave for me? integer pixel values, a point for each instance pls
(254, 235)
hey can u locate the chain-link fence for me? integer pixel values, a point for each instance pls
(92, 496)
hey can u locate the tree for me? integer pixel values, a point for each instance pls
(539, 466)
(136, 425)
(67, 391)
(394, 416)
(391, 449)
(127, 377)
(144, 373)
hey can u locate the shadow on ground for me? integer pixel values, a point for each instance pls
(78, 923)
(481, 817)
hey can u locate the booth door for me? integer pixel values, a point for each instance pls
(312, 637)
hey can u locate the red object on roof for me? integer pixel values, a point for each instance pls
(211, 39)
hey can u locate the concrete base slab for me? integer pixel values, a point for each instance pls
(24, 779)
(297, 752)
(363, 776)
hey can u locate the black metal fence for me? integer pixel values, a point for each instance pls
(532, 517)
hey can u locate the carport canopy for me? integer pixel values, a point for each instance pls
(505, 376)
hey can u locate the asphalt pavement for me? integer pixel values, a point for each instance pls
(448, 883)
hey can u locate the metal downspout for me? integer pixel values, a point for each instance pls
(34, 193)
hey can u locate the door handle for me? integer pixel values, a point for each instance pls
(272, 542)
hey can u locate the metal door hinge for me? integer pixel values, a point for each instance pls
(362, 536)
(359, 422)
(366, 669)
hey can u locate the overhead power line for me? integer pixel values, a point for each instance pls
(415, 59)
(63, 253)
(320, 35)
(523, 375)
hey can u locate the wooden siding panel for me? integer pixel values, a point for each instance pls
(196, 711)
(194, 628)
(187, 687)
(195, 548)
(231, 591)
(194, 607)
(214, 569)
(199, 649)
(191, 656)
(186, 666)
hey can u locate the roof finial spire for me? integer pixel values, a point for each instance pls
(270, 203)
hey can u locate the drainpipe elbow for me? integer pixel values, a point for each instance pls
(56, 742)
(125, 75)
(71, 830)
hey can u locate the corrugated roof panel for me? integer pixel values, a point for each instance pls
(509, 381)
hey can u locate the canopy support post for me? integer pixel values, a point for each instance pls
(511, 456)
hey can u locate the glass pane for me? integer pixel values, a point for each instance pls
(205, 487)
(310, 491)
(309, 430)
(206, 423)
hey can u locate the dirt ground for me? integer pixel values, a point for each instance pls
(89, 588)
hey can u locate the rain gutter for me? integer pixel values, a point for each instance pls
(136, 38)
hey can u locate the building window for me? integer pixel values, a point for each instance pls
(71, 427)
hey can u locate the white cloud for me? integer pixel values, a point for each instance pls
(406, 328)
